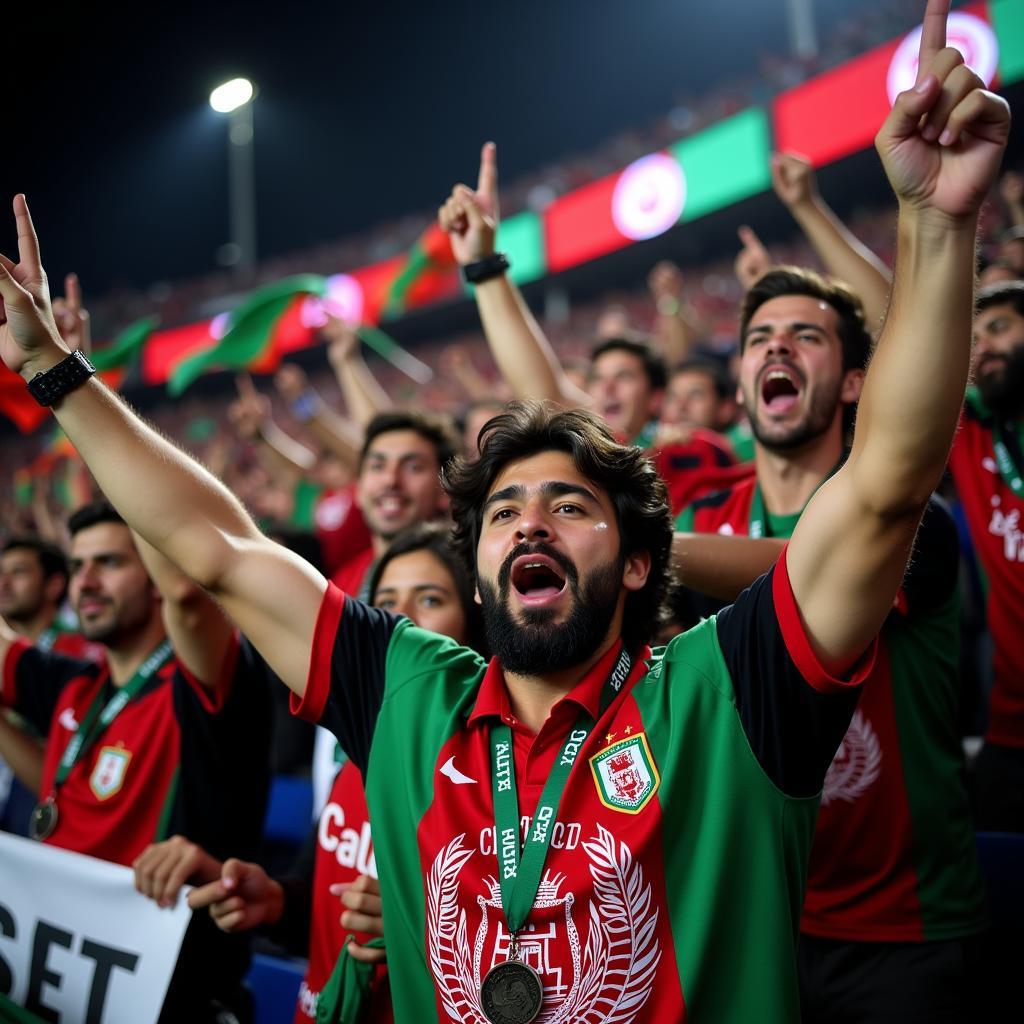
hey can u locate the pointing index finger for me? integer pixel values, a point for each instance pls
(28, 243)
(73, 293)
(487, 182)
(933, 35)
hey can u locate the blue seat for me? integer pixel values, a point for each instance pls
(289, 810)
(1001, 855)
(275, 987)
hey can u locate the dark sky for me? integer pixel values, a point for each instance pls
(366, 111)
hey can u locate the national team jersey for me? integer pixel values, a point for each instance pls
(178, 759)
(893, 857)
(74, 645)
(340, 527)
(344, 851)
(674, 878)
(995, 518)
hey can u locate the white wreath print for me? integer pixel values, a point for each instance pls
(612, 973)
(857, 764)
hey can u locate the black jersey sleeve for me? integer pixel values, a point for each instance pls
(345, 687)
(934, 567)
(33, 680)
(793, 712)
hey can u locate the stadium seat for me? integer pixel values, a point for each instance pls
(1002, 863)
(289, 810)
(275, 987)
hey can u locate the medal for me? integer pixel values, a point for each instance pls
(511, 992)
(43, 820)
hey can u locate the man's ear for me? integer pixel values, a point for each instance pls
(636, 570)
(853, 384)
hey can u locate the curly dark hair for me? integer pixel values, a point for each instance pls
(624, 472)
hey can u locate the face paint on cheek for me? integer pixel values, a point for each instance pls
(601, 526)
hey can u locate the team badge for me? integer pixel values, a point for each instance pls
(625, 774)
(108, 776)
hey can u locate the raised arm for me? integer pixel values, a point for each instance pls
(941, 147)
(337, 434)
(168, 498)
(519, 346)
(843, 254)
(364, 395)
(722, 566)
(677, 327)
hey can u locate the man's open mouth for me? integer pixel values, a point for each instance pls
(780, 389)
(537, 577)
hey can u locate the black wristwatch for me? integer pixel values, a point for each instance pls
(53, 384)
(483, 270)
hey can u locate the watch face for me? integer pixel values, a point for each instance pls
(53, 384)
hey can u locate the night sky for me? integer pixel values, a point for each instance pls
(365, 112)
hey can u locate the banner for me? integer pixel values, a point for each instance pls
(78, 944)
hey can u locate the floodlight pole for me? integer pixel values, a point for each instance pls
(803, 38)
(242, 188)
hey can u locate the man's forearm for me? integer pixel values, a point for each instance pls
(912, 397)
(519, 346)
(722, 566)
(175, 504)
(846, 257)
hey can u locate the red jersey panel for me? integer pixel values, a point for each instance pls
(353, 577)
(995, 517)
(344, 851)
(704, 463)
(340, 527)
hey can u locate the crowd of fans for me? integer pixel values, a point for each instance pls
(766, 435)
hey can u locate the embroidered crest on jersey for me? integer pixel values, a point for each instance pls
(613, 963)
(626, 775)
(857, 764)
(108, 776)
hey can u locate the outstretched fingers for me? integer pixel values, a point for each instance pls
(28, 241)
(487, 180)
(933, 36)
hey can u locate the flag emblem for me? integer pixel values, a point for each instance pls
(625, 774)
(108, 776)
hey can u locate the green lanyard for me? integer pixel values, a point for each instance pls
(1008, 456)
(521, 878)
(98, 717)
(758, 515)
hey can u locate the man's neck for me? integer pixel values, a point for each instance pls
(788, 479)
(32, 629)
(131, 651)
(533, 697)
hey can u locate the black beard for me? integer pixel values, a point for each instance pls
(534, 645)
(1003, 391)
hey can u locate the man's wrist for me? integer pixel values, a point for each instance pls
(43, 360)
(493, 265)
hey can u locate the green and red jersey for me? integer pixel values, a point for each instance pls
(701, 464)
(674, 878)
(353, 577)
(995, 518)
(893, 857)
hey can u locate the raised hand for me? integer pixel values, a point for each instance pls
(943, 141)
(243, 897)
(28, 333)
(752, 260)
(792, 179)
(251, 411)
(471, 217)
(665, 281)
(72, 318)
(342, 340)
(291, 382)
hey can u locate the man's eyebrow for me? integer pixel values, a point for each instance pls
(549, 489)
(798, 326)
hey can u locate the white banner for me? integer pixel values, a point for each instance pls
(77, 940)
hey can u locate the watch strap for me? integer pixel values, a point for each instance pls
(483, 270)
(52, 385)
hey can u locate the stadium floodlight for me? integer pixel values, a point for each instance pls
(231, 95)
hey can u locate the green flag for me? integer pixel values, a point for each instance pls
(124, 348)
